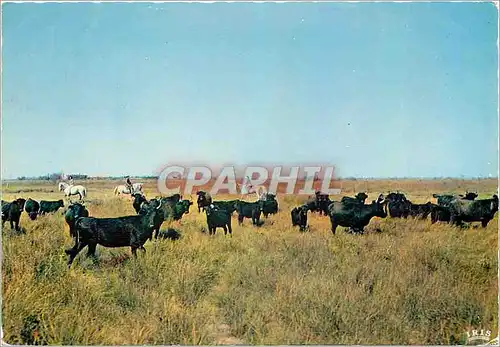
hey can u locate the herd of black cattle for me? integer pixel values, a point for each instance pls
(354, 214)
(350, 212)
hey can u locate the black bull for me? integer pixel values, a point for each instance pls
(299, 217)
(441, 211)
(251, 210)
(355, 216)
(132, 231)
(473, 211)
(11, 211)
(218, 218)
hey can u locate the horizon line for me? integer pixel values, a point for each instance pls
(346, 178)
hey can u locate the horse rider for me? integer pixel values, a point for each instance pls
(129, 185)
(70, 180)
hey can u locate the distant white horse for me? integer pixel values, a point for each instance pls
(123, 189)
(247, 188)
(73, 190)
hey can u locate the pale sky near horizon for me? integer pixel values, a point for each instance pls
(376, 89)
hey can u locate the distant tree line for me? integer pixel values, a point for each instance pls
(58, 176)
(53, 177)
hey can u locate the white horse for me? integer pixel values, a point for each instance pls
(123, 189)
(73, 190)
(247, 188)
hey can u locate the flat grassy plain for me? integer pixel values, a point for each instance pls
(411, 283)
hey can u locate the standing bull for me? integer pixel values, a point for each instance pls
(441, 211)
(483, 211)
(11, 211)
(299, 217)
(218, 218)
(251, 210)
(132, 231)
(355, 216)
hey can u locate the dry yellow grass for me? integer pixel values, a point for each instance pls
(413, 283)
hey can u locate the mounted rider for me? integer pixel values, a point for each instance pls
(70, 180)
(246, 186)
(129, 184)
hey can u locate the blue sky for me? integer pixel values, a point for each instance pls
(377, 89)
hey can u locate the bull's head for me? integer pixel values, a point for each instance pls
(151, 213)
(380, 208)
(209, 209)
(470, 195)
(20, 202)
(186, 204)
(361, 196)
(380, 198)
(494, 203)
(78, 210)
(261, 205)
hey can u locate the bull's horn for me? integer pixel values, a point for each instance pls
(159, 205)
